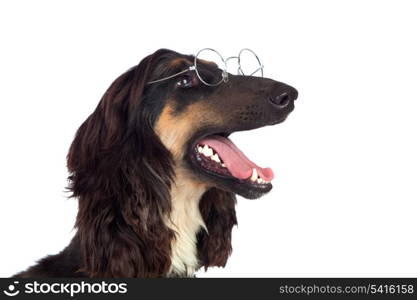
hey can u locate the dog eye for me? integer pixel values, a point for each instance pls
(186, 82)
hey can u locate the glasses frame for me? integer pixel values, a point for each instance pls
(225, 75)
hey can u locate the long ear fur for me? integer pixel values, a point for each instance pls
(121, 173)
(217, 208)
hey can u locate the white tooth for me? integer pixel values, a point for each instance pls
(216, 158)
(200, 149)
(254, 175)
(263, 181)
(207, 151)
(223, 165)
(259, 180)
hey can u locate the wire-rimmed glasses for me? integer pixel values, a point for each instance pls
(247, 64)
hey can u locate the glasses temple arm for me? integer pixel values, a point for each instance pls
(191, 68)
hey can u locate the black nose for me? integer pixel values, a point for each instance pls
(284, 97)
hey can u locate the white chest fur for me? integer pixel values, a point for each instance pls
(185, 220)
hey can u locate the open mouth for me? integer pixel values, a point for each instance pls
(220, 158)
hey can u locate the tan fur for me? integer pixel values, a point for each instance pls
(207, 62)
(175, 130)
(185, 218)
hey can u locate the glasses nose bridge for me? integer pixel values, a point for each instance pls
(230, 58)
(240, 70)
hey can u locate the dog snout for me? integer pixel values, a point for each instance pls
(282, 96)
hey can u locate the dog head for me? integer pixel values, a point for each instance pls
(194, 120)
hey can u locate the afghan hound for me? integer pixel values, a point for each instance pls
(155, 173)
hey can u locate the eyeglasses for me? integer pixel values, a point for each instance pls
(247, 63)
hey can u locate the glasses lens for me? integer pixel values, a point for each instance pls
(210, 66)
(250, 65)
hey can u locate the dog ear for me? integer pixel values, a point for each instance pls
(121, 174)
(217, 208)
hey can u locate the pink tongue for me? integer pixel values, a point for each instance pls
(234, 159)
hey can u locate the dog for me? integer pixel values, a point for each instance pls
(155, 174)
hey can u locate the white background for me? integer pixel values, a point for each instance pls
(344, 201)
